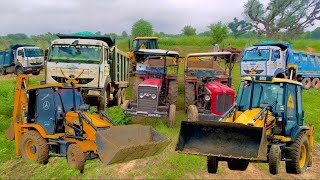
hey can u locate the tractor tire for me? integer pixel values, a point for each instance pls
(118, 98)
(306, 82)
(103, 102)
(123, 95)
(316, 83)
(136, 83)
(75, 157)
(193, 113)
(18, 71)
(173, 92)
(172, 115)
(274, 159)
(3, 71)
(212, 164)
(125, 104)
(36, 73)
(34, 147)
(237, 164)
(190, 95)
(298, 155)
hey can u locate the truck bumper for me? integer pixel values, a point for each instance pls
(31, 69)
(158, 114)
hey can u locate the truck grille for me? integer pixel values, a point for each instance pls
(147, 103)
(81, 80)
(223, 102)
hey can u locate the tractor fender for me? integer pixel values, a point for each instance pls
(296, 131)
(278, 71)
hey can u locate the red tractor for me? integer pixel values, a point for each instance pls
(156, 85)
(208, 92)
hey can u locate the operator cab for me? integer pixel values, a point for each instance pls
(48, 106)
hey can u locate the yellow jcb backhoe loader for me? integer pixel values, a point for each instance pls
(266, 124)
(52, 120)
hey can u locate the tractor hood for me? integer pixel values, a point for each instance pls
(216, 87)
(151, 82)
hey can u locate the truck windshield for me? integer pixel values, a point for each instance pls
(33, 52)
(256, 55)
(263, 93)
(78, 53)
(145, 44)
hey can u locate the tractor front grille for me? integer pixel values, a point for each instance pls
(146, 103)
(223, 103)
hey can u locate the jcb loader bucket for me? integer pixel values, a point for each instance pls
(123, 143)
(223, 139)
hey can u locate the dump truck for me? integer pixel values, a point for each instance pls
(273, 58)
(208, 81)
(21, 59)
(138, 43)
(266, 125)
(95, 62)
(156, 85)
(53, 120)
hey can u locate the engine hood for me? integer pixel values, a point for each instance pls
(218, 88)
(151, 82)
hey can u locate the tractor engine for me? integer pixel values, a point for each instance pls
(218, 98)
(149, 94)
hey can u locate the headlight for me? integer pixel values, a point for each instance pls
(153, 96)
(141, 95)
(207, 98)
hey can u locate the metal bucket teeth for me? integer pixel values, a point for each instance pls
(124, 143)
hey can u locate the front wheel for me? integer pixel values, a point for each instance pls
(75, 157)
(19, 70)
(36, 73)
(212, 164)
(172, 115)
(238, 164)
(274, 159)
(193, 113)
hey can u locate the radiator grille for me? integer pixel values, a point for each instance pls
(223, 102)
(147, 103)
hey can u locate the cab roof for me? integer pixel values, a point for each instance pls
(159, 52)
(87, 35)
(151, 37)
(271, 80)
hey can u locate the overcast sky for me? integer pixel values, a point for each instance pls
(64, 16)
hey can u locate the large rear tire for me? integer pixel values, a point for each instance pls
(212, 164)
(298, 155)
(136, 83)
(75, 157)
(306, 82)
(316, 83)
(237, 164)
(34, 147)
(190, 95)
(193, 113)
(274, 159)
(173, 92)
(172, 115)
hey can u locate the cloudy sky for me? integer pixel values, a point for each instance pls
(64, 16)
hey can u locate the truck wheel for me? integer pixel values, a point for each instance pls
(190, 95)
(192, 113)
(306, 82)
(173, 91)
(36, 73)
(298, 155)
(3, 71)
(34, 148)
(315, 83)
(274, 159)
(19, 70)
(212, 164)
(75, 157)
(172, 114)
(237, 164)
(123, 95)
(136, 83)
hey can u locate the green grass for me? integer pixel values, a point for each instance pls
(167, 165)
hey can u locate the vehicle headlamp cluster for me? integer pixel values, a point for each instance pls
(143, 95)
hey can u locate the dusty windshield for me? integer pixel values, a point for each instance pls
(145, 44)
(256, 55)
(33, 52)
(263, 93)
(78, 53)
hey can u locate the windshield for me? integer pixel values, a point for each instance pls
(67, 99)
(78, 53)
(256, 55)
(33, 52)
(263, 93)
(145, 44)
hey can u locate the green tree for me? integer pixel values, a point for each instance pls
(189, 31)
(142, 28)
(289, 16)
(218, 32)
(239, 28)
(124, 34)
